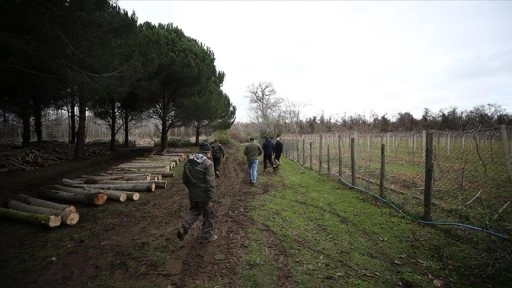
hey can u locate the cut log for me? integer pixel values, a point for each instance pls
(121, 172)
(127, 177)
(70, 218)
(47, 220)
(131, 171)
(165, 168)
(84, 198)
(115, 195)
(43, 203)
(111, 194)
(168, 174)
(158, 184)
(146, 187)
(132, 195)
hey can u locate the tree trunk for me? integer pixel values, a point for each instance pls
(43, 203)
(86, 198)
(163, 139)
(163, 119)
(72, 117)
(47, 220)
(80, 134)
(38, 125)
(126, 128)
(113, 117)
(198, 130)
(69, 218)
(25, 134)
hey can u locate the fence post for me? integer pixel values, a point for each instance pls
(506, 151)
(429, 172)
(304, 152)
(424, 140)
(339, 156)
(311, 155)
(297, 144)
(328, 160)
(320, 154)
(353, 161)
(382, 168)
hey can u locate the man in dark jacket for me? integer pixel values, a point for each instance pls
(278, 146)
(199, 177)
(217, 155)
(268, 152)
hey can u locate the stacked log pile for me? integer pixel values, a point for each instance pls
(36, 211)
(45, 154)
(120, 183)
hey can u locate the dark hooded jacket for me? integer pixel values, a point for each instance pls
(278, 147)
(199, 177)
(268, 147)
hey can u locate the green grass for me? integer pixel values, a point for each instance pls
(333, 235)
(258, 263)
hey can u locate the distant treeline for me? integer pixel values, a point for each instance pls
(450, 119)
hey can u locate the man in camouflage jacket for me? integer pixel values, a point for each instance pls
(199, 177)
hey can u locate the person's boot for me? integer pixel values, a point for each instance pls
(212, 238)
(181, 234)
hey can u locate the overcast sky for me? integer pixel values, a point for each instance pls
(348, 57)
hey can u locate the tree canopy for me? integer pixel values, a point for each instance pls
(94, 56)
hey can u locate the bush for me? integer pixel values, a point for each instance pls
(176, 142)
(223, 137)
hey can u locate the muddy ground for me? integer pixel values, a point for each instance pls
(112, 247)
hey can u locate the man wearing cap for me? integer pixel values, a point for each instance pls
(278, 150)
(199, 177)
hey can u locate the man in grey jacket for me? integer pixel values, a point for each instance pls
(199, 177)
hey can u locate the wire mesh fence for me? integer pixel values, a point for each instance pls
(470, 181)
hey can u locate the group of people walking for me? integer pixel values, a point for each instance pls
(269, 150)
(200, 171)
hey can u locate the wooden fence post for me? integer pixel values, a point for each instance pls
(311, 155)
(320, 154)
(382, 168)
(353, 161)
(506, 151)
(424, 140)
(328, 160)
(298, 156)
(429, 172)
(303, 152)
(339, 156)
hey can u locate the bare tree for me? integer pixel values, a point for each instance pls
(290, 117)
(264, 105)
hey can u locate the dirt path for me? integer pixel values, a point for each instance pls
(134, 242)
